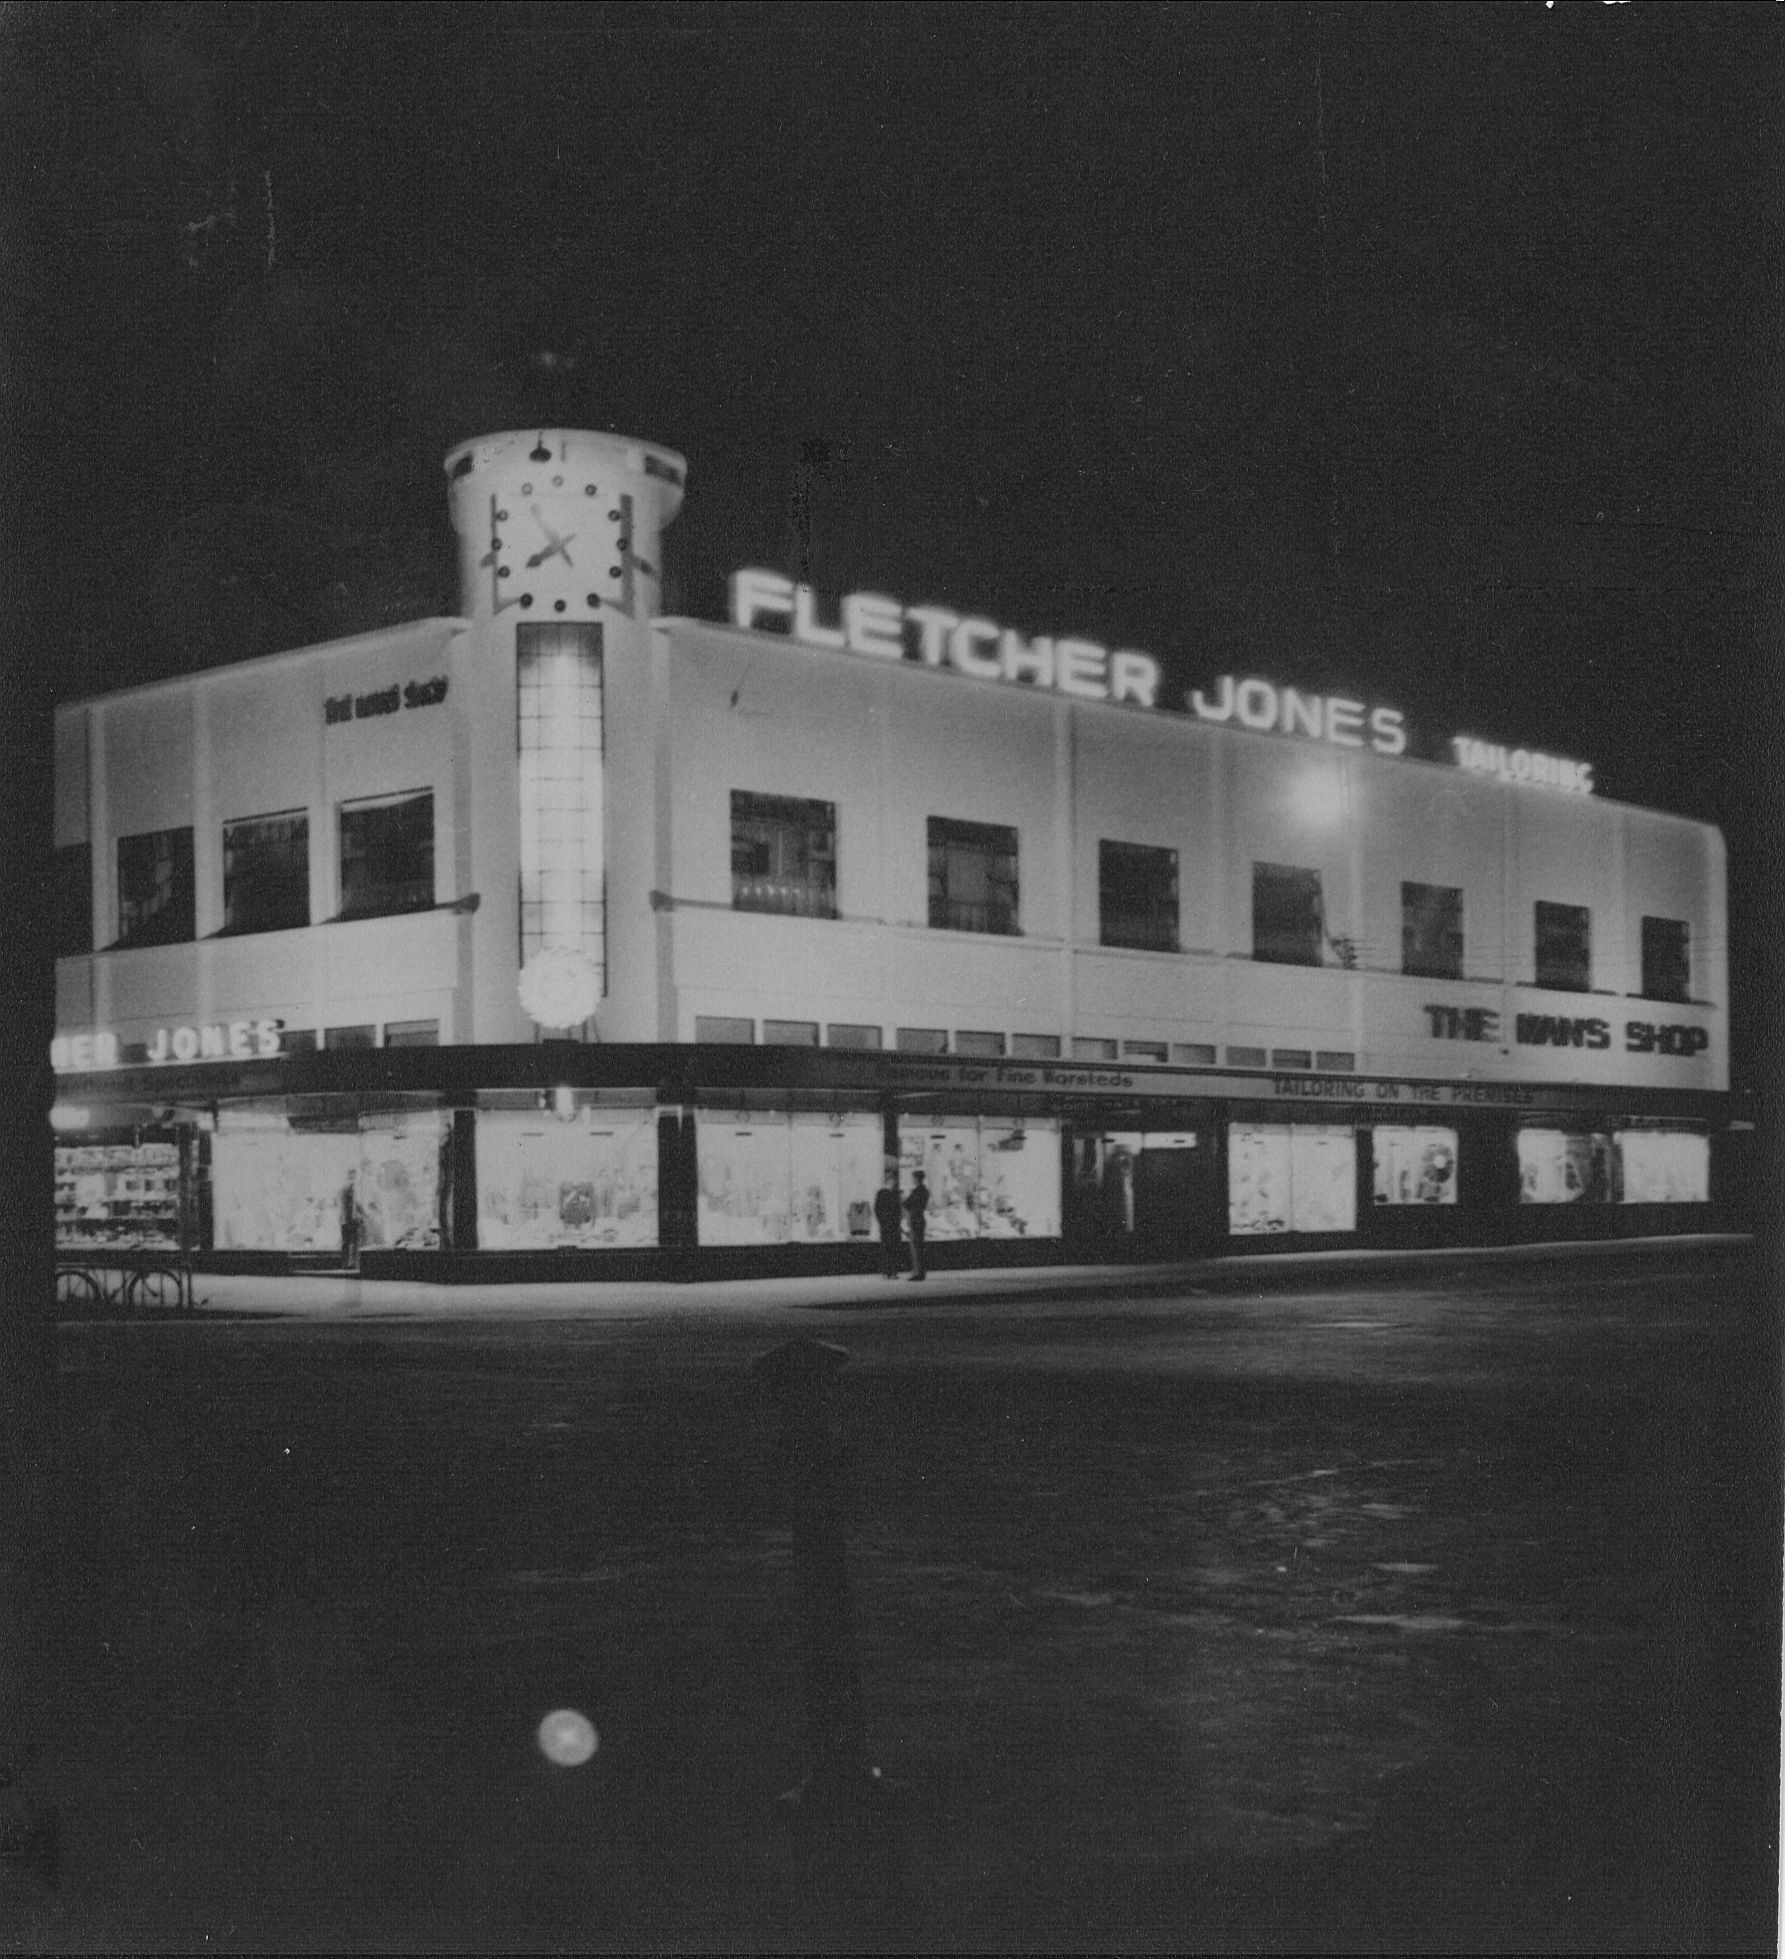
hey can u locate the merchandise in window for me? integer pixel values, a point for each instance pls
(1415, 1165)
(266, 873)
(1564, 947)
(155, 888)
(783, 855)
(1291, 1177)
(387, 855)
(1137, 896)
(973, 876)
(1432, 931)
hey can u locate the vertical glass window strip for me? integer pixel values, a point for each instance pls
(562, 791)
(266, 873)
(1564, 947)
(1432, 931)
(1666, 959)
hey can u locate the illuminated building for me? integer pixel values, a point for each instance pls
(564, 927)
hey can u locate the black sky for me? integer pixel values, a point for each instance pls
(1431, 352)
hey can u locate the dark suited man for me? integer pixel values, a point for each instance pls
(886, 1215)
(915, 1207)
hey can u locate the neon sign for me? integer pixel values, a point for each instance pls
(1260, 705)
(880, 628)
(232, 1040)
(1522, 766)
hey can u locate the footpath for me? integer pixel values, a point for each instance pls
(338, 1296)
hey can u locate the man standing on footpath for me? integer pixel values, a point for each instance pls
(915, 1207)
(886, 1215)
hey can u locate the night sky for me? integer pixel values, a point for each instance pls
(1430, 354)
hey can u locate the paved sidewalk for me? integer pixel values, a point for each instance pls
(329, 1296)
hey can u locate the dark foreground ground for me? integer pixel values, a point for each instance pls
(1410, 1611)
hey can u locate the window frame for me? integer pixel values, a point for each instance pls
(181, 902)
(365, 806)
(1545, 935)
(1143, 862)
(300, 879)
(1000, 846)
(1413, 913)
(1651, 990)
(811, 887)
(1264, 873)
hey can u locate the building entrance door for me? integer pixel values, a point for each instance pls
(1174, 1195)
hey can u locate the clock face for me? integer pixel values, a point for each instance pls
(561, 544)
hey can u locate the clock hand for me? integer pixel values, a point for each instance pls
(557, 546)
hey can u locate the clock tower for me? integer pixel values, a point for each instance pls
(560, 574)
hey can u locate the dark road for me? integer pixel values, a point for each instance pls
(1421, 1610)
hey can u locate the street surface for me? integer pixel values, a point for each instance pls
(1421, 1608)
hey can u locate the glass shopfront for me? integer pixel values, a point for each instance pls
(770, 1178)
(1291, 1177)
(988, 1176)
(1415, 1165)
(588, 1183)
(117, 1197)
(1624, 1166)
(283, 1184)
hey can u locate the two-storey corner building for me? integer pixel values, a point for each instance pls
(565, 936)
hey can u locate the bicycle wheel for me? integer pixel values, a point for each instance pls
(154, 1291)
(77, 1291)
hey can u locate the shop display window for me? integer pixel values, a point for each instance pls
(783, 855)
(275, 1189)
(1564, 940)
(1415, 1165)
(973, 876)
(1666, 959)
(1559, 1166)
(74, 899)
(768, 1178)
(155, 888)
(116, 1197)
(399, 1183)
(387, 854)
(586, 1184)
(1665, 1166)
(266, 873)
(1137, 896)
(1291, 1177)
(988, 1177)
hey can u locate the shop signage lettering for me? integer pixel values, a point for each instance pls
(228, 1040)
(1563, 1031)
(73, 1054)
(1339, 1088)
(880, 628)
(362, 707)
(1523, 766)
(1260, 705)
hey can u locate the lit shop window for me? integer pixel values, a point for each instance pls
(117, 1197)
(1415, 1166)
(973, 876)
(1291, 1177)
(155, 888)
(1568, 1167)
(589, 1183)
(280, 1188)
(783, 855)
(74, 899)
(1666, 959)
(1137, 896)
(767, 1178)
(266, 873)
(387, 854)
(1288, 919)
(1665, 1166)
(988, 1177)
(1432, 931)
(1564, 947)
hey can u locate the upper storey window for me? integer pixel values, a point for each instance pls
(1666, 959)
(1564, 947)
(1288, 917)
(783, 855)
(1137, 896)
(387, 854)
(155, 888)
(973, 876)
(266, 873)
(1432, 931)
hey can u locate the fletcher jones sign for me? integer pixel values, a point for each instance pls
(229, 1040)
